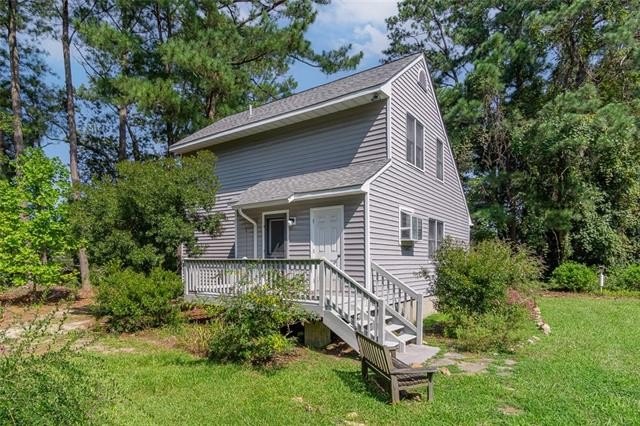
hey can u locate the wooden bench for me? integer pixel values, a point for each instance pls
(396, 374)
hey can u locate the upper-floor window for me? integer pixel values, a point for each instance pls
(439, 159)
(422, 79)
(410, 227)
(436, 236)
(415, 142)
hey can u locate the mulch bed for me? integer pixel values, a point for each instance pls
(25, 295)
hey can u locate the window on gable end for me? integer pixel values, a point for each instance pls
(422, 79)
(415, 142)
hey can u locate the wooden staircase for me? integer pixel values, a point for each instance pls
(389, 313)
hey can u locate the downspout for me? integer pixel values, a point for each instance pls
(255, 232)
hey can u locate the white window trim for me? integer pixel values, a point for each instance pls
(435, 172)
(415, 142)
(412, 214)
(263, 235)
(444, 234)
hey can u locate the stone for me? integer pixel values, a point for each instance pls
(546, 329)
(444, 371)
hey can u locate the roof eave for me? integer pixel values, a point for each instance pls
(351, 100)
(304, 196)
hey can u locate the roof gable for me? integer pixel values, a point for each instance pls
(344, 89)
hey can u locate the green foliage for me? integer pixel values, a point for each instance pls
(34, 222)
(141, 218)
(42, 381)
(625, 278)
(472, 289)
(249, 328)
(574, 276)
(492, 331)
(131, 300)
(475, 281)
(179, 65)
(540, 102)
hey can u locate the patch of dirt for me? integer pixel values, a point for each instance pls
(508, 410)
(340, 349)
(25, 295)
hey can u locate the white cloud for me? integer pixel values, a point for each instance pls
(370, 40)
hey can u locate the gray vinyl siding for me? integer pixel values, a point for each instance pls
(299, 246)
(336, 140)
(402, 184)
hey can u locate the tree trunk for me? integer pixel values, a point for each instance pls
(16, 105)
(73, 136)
(122, 137)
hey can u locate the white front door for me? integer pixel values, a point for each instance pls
(327, 224)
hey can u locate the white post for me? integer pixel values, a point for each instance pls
(321, 287)
(601, 280)
(380, 320)
(419, 314)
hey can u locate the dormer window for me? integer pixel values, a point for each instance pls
(422, 79)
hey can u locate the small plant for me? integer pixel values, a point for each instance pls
(627, 278)
(249, 329)
(132, 300)
(46, 380)
(573, 276)
(499, 331)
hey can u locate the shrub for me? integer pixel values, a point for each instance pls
(140, 218)
(133, 300)
(492, 331)
(625, 278)
(573, 276)
(45, 380)
(475, 281)
(249, 329)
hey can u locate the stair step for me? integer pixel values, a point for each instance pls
(387, 318)
(394, 327)
(404, 338)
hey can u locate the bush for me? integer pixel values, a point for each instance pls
(249, 329)
(475, 281)
(140, 218)
(625, 278)
(44, 380)
(492, 331)
(133, 300)
(573, 276)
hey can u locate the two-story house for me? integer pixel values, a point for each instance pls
(358, 172)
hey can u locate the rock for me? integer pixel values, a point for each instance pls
(546, 329)
(531, 341)
(445, 371)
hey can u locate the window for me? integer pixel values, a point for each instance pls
(422, 79)
(439, 159)
(410, 227)
(415, 142)
(436, 236)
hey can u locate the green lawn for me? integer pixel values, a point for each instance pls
(586, 372)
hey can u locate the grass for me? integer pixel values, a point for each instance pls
(585, 372)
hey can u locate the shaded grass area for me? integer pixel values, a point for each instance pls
(585, 372)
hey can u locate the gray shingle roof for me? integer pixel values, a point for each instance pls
(370, 78)
(281, 189)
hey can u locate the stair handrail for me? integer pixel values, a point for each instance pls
(381, 305)
(413, 294)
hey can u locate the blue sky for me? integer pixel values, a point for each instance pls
(359, 22)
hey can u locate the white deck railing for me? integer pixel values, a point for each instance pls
(325, 285)
(404, 303)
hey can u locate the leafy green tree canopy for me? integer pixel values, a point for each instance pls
(35, 234)
(140, 218)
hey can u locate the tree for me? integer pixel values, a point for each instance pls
(35, 235)
(141, 218)
(72, 131)
(529, 91)
(14, 60)
(168, 68)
